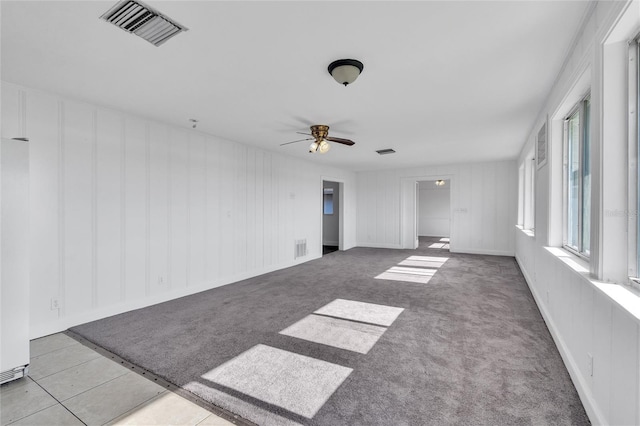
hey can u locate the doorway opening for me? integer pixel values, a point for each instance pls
(435, 206)
(433, 213)
(331, 216)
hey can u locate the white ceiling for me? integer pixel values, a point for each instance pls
(443, 82)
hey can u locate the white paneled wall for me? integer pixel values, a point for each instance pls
(483, 206)
(590, 320)
(586, 323)
(128, 212)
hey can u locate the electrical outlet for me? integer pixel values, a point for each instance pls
(590, 364)
(55, 304)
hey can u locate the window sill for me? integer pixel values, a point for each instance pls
(573, 261)
(527, 232)
(622, 294)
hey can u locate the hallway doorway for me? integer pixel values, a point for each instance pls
(331, 212)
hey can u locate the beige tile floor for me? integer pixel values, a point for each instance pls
(71, 384)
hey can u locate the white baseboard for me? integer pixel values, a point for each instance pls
(481, 251)
(379, 245)
(64, 323)
(579, 381)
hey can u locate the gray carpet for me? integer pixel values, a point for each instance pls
(463, 345)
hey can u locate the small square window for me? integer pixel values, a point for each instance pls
(327, 200)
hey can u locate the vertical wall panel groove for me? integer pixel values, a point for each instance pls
(123, 211)
(22, 113)
(207, 210)
(94, 209)
(61, 211)
(169, 215)
(188, 217)
(147, 215)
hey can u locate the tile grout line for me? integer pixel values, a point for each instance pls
(65, 369)
(164, 391)
(97, 386)
(54, 350)
(59, 403)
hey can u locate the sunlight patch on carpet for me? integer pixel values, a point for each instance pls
(361, 311)
(414, 269)
(349, 335)
(439, 246)
(424, 261)
(297, 383)
(238, 406)
(412, 275)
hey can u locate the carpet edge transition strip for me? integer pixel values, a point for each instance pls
(214, 409)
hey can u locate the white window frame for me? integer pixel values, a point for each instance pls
(521, 196)
(579, 108)
(634, 159)
(526, 193)
(532, 194)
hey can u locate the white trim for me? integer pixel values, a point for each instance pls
(341, 189)
(481, 251)
(404, 241)
(379, 245)
(527, 232)
(632, 147)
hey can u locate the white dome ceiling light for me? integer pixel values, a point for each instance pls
(345, 71)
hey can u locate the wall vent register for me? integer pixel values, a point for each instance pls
(385, 151)
(137, 18)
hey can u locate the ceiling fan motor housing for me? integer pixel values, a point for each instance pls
(319, 132)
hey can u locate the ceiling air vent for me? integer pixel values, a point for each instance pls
(138, 18)
(385, 151)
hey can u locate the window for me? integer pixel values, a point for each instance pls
(530, 212)
(327, 200)
(526, 193)
(521, 196)
(577, 179)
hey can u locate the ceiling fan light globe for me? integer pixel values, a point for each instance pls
(313, 147)
(324, 147)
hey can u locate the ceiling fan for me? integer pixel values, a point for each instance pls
(319, 136)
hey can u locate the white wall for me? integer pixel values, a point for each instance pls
(483, 206)
(127, 212)
(589, 310)
(434, 209)
(331, 222)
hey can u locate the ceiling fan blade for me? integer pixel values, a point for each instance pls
(300, 140)
(302, 133)
(348, 142)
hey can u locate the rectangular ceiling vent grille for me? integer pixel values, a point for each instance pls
(385, 151)
(137, 18)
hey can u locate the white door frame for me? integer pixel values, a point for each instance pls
(340, 210)
(409, 207)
